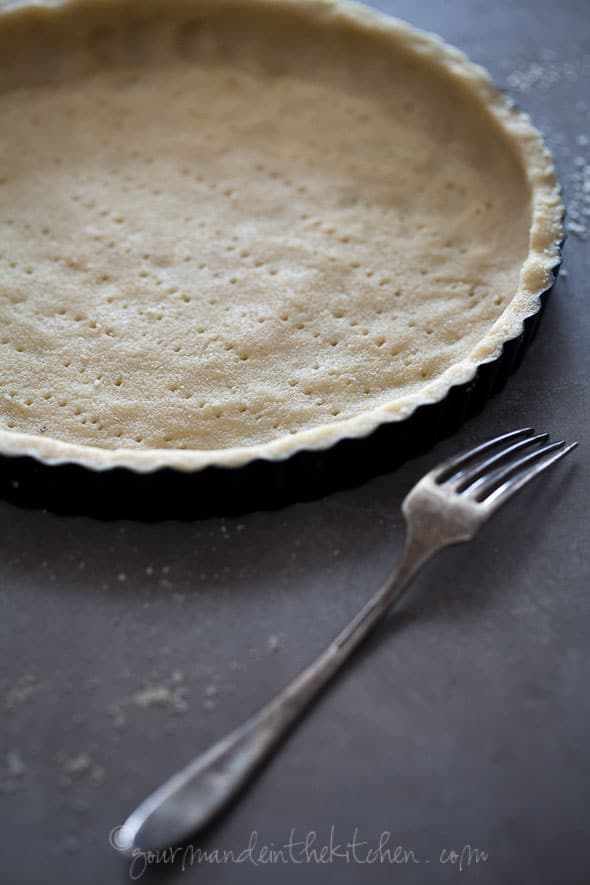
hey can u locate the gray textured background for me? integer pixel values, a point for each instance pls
(464, 722)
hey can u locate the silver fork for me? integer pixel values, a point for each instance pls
(447, 506)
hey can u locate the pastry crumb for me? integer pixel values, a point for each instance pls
(23, 691)
(273, 644)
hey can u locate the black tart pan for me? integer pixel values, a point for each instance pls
(167, 494)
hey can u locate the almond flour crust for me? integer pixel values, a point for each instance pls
(542, 212)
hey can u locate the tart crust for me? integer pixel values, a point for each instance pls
(282, 298)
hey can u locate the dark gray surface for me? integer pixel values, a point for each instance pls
(465, 721)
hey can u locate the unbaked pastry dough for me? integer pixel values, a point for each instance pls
(235, 229)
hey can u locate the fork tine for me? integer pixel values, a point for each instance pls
(486, 484)
(448, 468)
(468, 477)
(507, 481)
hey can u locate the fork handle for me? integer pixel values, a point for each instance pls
(190, 799)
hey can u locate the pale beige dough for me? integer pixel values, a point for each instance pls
(222, 228)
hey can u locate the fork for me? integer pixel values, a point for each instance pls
(447, 506)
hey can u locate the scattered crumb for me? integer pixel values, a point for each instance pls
(21, 692)
(149, 570)
(155, 696)
(543, 75)
(80, 764)
(210, 690)
(121, 577)
(273, 644)
(170, 695)
(15, 767)
(118, 715)
(578, 217)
